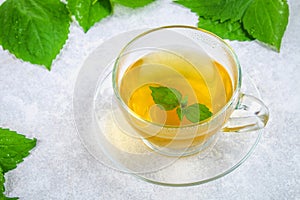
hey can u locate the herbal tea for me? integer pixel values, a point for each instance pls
(177, 88)
(193, 76)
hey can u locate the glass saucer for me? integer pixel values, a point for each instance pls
(96, 115)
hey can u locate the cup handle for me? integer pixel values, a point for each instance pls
(249, 115)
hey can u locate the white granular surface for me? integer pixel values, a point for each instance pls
(38, 103)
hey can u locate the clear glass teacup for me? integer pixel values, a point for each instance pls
(178, 86)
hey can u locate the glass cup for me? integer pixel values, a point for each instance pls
(196, 54)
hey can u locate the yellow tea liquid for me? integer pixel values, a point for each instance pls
(196, 76)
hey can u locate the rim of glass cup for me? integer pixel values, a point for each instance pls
(204, 122)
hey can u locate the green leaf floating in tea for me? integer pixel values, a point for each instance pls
(170, 98)
(197, 112)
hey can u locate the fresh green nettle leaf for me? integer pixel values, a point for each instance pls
(227, 29)
(266, 20)
(167, 98)
(170, 98)
(34, 30)
(197, 112)
(217, 9)
(88, 12)
(133, 3)
(13, 148)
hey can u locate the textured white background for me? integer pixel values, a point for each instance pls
(38, 103)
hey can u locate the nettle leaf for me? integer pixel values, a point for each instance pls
(88, 12)
(167, 98)
(34, 30)
(266, 20)
(13, 149)
(133, 3)
(170, 98)
(197, 112)
(227, 29)
(217, 9)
